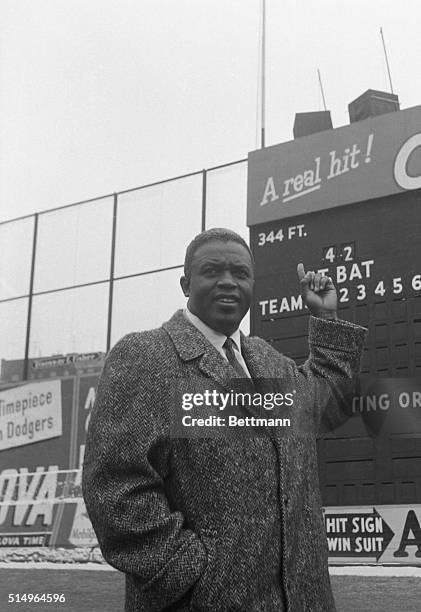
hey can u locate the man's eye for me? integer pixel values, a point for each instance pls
(242, 273)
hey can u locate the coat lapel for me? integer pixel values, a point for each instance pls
(257, 368)
(191, 344)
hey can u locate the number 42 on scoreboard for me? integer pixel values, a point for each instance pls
(343, 252)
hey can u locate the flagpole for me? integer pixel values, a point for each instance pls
(263, 74)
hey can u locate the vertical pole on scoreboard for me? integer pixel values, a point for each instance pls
(30, 298)
(263, 74)
(387, 61)
(321, 89)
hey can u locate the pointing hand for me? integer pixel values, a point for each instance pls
(319, 293)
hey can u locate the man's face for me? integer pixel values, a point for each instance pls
(220, 285)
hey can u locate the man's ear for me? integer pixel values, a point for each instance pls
(185, 285)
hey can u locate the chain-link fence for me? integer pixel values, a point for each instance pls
(78, 277)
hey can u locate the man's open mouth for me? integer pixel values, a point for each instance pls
(227, 299)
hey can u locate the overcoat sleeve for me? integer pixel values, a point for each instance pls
(327, 379)
(126, 462)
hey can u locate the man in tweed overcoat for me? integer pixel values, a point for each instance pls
(212, 523)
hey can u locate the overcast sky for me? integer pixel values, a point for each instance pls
(98, 96)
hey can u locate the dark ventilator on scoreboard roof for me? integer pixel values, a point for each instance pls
(347, 202)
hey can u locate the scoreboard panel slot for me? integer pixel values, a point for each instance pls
(350, 494)
(342, 448)
(406, 466)
(409, 444)
(353, 469)
(284, 327)
(387, 494)
(381, 333)
(400, 330)
(407, 491)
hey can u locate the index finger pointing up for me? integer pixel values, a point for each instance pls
(300, 271)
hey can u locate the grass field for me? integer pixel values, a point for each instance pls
(103, 591)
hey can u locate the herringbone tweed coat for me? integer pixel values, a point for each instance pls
(214, 524)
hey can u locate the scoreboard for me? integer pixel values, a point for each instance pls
(347, 203)
(372, 251)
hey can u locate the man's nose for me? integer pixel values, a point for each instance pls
(226, 278)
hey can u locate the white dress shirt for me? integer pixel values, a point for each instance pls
(217, 339)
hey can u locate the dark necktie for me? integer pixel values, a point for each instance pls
(228, 346)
